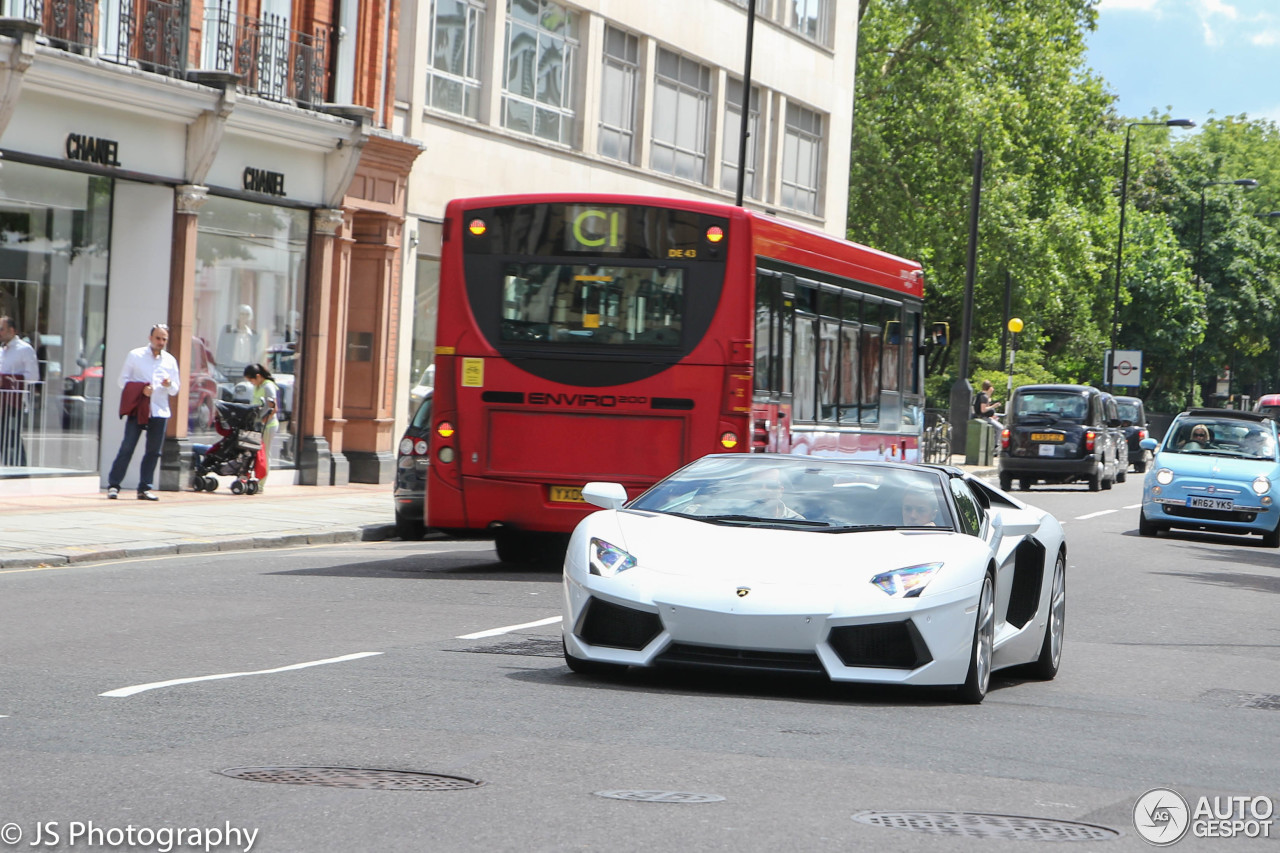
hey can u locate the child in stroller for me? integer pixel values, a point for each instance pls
(236, 454)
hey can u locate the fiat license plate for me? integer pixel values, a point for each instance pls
(566, 494)
(1222, 504)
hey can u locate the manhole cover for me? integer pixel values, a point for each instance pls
(971, 825)
(354, 777)
(661, 796)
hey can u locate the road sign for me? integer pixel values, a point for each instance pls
(1126, 367)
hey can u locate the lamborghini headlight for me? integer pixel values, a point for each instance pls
(608, 560)
(908, 582)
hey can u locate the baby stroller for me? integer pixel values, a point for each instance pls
(236, 454)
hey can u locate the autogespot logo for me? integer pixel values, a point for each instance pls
(1161, 817)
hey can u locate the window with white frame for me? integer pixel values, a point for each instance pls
(732, 139)
(453, 66)
(537, 90)
(619, 85)
(809, 18)
(681, 112)
(801, 159)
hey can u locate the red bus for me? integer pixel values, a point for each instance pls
(607, 337)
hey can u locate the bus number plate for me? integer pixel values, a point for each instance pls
(1046, 436)
(566, 494)
(1221, 504)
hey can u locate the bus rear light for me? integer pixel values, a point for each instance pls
(444, 429)
(1004, 439)
(715, 234)
(728, 440)
(477, 227)
(445, 455)
(1089, 438)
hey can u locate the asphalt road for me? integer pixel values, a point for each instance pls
(1170, 677)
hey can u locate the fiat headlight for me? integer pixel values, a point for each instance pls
(608, 560)
(1164, 476)
(1261, 486)
(908, 582)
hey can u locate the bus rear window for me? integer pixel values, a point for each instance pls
(592, 304)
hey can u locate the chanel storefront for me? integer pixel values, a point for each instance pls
(127, 201)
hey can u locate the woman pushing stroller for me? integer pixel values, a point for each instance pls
(266, 394)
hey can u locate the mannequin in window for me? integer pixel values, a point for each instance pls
(238, 344)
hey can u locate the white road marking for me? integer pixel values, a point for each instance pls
(139, 688)
(507, 630)
(1096, 514)
(1134, 506)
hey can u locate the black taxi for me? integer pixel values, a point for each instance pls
(1061, 434)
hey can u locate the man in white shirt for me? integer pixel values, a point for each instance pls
(150, 373)
(19, 371)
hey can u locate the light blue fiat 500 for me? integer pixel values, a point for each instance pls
(1216, 471)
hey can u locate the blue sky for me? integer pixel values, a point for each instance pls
(1190, 57)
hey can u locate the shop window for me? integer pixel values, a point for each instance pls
(251, 262)
(54, 255)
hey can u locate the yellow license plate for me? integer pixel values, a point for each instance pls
(566, 494)
(1046, 436)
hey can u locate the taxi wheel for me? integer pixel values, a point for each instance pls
(1006, 482)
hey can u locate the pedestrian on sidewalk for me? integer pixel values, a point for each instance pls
(984, 408)
(148, 379)
(266, 394)
(19, 373)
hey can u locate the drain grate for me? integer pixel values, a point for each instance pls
(972, 825)
(540, 647)
(354, 777)
(661, 796)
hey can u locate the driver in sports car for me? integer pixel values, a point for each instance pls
(919, 508)
(768, 484)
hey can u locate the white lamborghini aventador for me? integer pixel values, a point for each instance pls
(856, 571)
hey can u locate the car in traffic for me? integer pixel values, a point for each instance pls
(413, 459)
(1061, 434)
(856, 571)
(1215, 471)
(1133, 419)
(1269, 405)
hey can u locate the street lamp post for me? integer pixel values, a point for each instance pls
(1247, 183)
(1015, 326)
(1124, 192)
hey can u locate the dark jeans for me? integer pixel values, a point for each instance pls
(150, 454)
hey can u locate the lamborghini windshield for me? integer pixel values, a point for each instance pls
(801, 492)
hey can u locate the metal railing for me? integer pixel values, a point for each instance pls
(271, 60)
(147, 34)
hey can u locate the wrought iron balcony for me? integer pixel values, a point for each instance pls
(271, 60)
(147, 34)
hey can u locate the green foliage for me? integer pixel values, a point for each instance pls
(937, 79)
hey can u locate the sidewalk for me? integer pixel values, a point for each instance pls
(60, 530)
